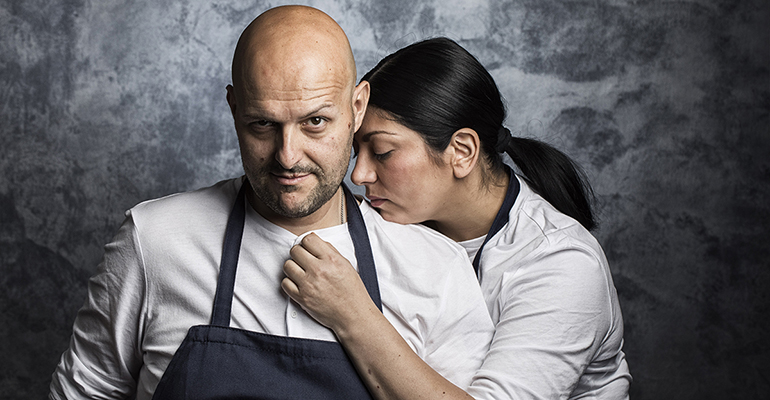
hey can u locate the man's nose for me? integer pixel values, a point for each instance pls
(289, 147)
(363, 173)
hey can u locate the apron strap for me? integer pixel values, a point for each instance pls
(500, 219)
(223, 299)
(363, 248)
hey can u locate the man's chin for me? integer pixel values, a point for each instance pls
(293, 210)
(293, 201)
(294, 204)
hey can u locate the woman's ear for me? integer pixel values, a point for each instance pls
(465, 147)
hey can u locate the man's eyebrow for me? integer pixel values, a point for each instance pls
(368, 136)
(316, 110)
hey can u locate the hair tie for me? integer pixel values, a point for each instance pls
(503, 138)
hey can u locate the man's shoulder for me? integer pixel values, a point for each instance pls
(410, 238)
(401, 232)
(205, 202)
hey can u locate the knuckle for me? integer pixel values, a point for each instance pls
(294, 249)
(306, 240)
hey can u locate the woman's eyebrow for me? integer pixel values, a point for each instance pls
(367, 136)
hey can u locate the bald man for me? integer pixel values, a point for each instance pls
(187, 301)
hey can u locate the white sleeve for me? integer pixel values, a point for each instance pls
(458, 340)
(104, 356)
(554, 313)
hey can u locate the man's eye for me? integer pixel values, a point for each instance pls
(261, 124)
(315, 124)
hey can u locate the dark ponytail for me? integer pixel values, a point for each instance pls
(435, 87)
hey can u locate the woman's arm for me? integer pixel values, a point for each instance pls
(554, 310)
(553, 315)
(326, 285)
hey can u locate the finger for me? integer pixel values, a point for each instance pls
(293, 271)
(313, 244)
(317, 246)
(303, 257)
(290, 288)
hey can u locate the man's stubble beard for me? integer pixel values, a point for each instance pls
(323, 192)
(318, 196)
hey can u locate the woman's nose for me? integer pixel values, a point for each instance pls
(362, 173)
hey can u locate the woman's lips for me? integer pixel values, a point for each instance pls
(376, 201)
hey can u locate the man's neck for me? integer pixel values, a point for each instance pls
(332, 213)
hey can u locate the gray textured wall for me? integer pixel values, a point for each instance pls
(107, 103)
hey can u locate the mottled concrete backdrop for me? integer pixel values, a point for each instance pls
(107, 103)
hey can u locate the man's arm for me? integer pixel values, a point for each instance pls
(104, 356)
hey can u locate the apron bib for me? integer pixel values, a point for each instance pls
(219, 362)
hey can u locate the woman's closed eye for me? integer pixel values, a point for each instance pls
(382, 156)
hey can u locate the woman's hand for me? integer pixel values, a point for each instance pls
(324, 283)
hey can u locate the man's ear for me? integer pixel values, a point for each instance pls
(360, 101)
(231, 99)
(465, 149)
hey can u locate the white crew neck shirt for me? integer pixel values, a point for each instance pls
(159, 276)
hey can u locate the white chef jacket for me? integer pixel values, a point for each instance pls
(159, 275)
(558, 326)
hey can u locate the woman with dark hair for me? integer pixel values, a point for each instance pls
(430, 151)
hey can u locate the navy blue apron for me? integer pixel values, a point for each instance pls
(500, 219)
(219, 362)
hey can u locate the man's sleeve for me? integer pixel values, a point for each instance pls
(459, 338)
(104, 356)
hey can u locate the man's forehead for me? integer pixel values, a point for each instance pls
(296, 68)
(291, 72)
(309, 94)
(302, 61)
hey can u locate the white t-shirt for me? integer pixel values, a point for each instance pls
(159, 276)
(548, 288)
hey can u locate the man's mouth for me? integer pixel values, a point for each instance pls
(290, 179)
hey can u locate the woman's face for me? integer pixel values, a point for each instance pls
(401, 178)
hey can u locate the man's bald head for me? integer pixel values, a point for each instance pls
(292, 40)
(295, 105)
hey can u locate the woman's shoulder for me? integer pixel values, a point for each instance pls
(533, 219)
(539, 240)
(548, 257)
